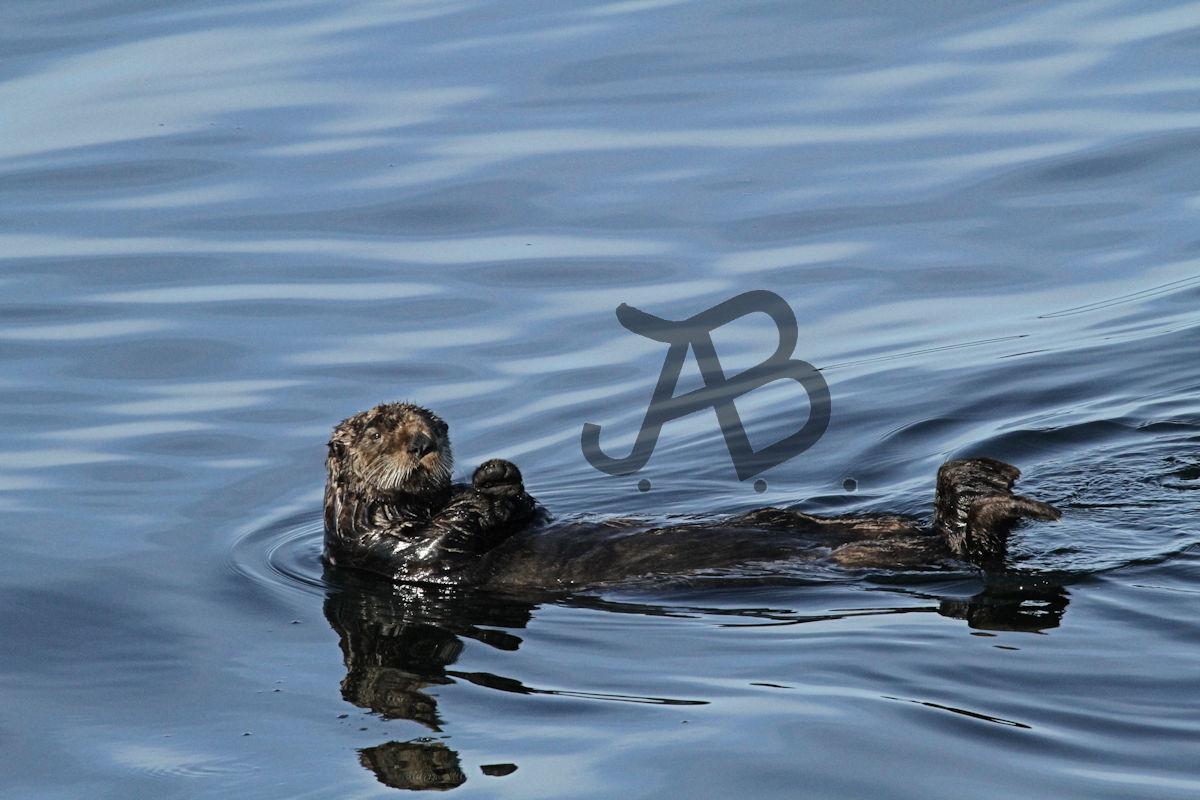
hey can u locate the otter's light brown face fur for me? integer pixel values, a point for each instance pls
(391, 449)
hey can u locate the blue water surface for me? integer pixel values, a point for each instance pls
(226, 226)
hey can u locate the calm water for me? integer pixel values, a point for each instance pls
(224, 227)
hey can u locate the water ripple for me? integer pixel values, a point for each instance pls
(224, 227)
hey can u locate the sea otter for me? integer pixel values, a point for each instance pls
(391, 509)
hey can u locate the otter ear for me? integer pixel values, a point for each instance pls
(438, 424)
(335, 460)
(343, 436)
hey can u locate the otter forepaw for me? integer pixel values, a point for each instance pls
(498, 476)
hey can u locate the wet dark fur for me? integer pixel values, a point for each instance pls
(391, 509)
(408, 521)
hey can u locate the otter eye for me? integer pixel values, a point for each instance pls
(374, 434)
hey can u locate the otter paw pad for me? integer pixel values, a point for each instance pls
(497, 475)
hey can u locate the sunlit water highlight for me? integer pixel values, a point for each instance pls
(224, 227)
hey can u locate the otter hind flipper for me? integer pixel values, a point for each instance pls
(975, 508)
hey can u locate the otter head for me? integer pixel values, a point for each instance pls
(389, 450)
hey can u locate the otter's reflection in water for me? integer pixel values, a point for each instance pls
(397, 641)
(1031, 609)
(414, 765)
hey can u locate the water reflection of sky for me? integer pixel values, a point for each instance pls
(224, 228)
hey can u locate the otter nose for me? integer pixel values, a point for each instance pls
(421, 445)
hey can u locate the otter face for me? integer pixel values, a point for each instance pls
(392, 448)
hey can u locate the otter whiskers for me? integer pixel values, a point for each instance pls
(388, 474)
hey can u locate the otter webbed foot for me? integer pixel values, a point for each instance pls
(498, 477)
(975, 508)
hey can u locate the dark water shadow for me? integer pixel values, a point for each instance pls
(399, 644)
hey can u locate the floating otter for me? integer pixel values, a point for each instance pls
(391, 509)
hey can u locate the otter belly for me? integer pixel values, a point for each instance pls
(578, 554)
